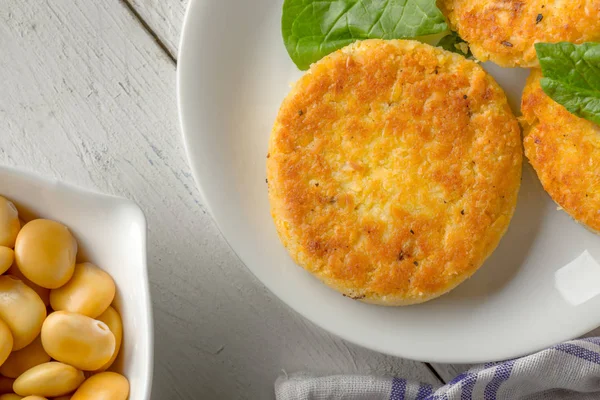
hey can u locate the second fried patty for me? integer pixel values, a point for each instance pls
(564, 151)
(504, 31)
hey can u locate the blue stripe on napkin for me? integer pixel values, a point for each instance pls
(501, 375)
(398, 389)
(424, 391)
(579, 352)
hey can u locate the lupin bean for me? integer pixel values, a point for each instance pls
(45, 252)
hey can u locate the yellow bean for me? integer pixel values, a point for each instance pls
(42, 292)
(22, 310)
(7, 257)
(6, 342)
(89, 292)
(6, 385)
(51, 379)
(34, 398)
(103, 386)
(77, 340)
(61, 398)
(9, 223)
(21, 360)
(112, 318)
(10, 396)
(45, 252)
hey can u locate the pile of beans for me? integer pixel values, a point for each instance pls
(58, 331)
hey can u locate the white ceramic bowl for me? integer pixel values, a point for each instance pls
(111, 233)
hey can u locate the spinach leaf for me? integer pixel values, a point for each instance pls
(455, 44)
(312, 29)
(572, 76)
(582, 102)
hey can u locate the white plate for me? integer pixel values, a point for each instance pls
(111, 233)
(233, 73)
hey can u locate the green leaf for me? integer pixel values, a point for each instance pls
(455, 44)
(584, 103)
(312, 29)
(572, 76)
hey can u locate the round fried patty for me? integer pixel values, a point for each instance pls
(393, 170)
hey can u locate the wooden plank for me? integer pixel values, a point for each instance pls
(88, 97)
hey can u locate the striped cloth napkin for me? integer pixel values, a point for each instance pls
(569, 370)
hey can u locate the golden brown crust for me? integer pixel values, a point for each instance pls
(393, 170)
(504, 31)
(565, 152)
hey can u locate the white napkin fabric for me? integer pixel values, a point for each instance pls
(567, 371)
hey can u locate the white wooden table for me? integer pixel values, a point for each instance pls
(87, 95)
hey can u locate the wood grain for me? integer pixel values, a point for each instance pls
(89, 97)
